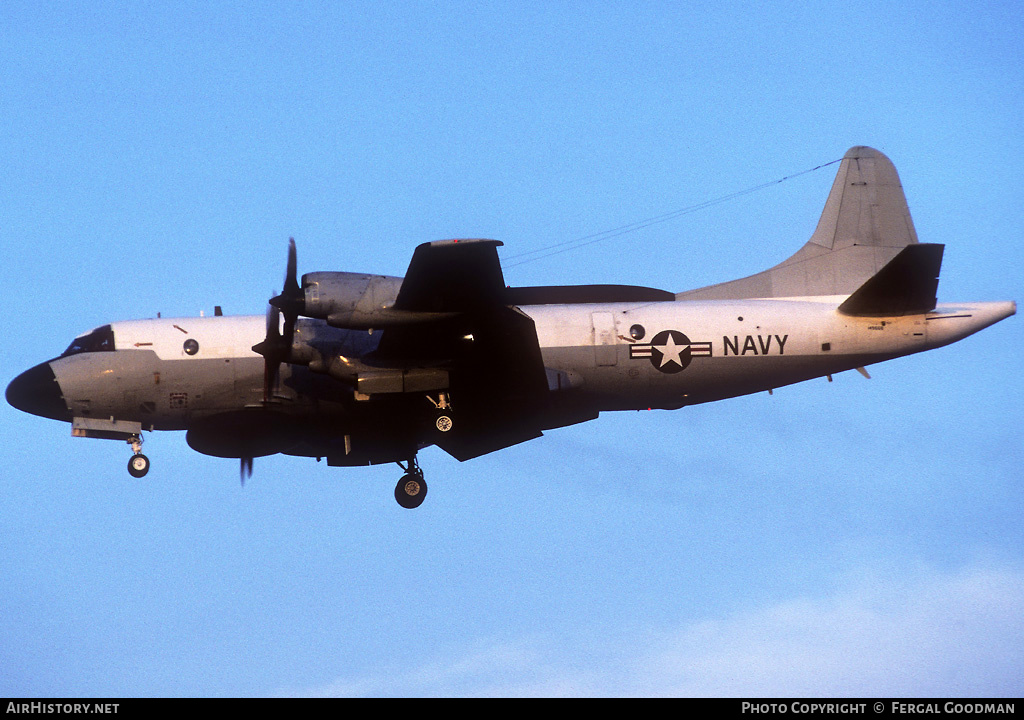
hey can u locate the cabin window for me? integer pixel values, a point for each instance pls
(637, 332)
(99, 340)
(191, 347)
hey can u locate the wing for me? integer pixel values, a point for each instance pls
(490, 349)
(452, 276)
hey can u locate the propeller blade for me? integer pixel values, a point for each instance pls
(246, 469)
(291, 280)
(292, 300)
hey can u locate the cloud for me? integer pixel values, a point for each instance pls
(923, 633)
(933, 634)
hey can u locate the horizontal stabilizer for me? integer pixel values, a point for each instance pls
(907, 285)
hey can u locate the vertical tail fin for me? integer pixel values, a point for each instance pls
(865, 224)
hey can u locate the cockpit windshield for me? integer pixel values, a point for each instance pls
(99, 340)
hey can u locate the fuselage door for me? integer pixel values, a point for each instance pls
(605, 350)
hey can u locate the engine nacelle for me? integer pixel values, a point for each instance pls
(359, 302)
(350, 300)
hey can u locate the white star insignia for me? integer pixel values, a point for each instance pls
(670, 352)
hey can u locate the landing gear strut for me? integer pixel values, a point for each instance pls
(411, 488)
(443, 418)
(138, 466)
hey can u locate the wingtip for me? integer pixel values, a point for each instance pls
(463, 241)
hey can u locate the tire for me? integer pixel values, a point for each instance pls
(411, 490)
(138, 466)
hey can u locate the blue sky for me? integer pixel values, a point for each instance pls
(855, 537)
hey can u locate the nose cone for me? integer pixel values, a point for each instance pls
(36, 391)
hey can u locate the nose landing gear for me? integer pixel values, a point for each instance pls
(138, 466)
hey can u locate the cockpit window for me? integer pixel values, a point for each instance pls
(99, 340)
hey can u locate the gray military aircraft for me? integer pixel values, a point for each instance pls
(366, 369)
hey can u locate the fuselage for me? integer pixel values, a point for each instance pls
(364, 369)
(165, 374)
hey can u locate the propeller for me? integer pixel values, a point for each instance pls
(246, 470)
(276, 348)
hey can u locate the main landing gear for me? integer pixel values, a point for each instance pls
(138, 466)
(411, 488)
(443, 417)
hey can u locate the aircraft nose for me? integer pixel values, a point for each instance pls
(36, 391)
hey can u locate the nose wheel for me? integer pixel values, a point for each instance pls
(411, 489)
(138, 465)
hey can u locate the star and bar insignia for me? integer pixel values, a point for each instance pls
(670, 351)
